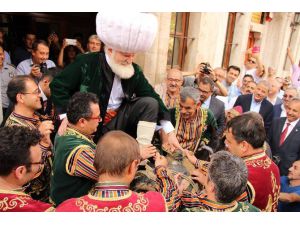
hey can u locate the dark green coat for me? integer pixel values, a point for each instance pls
(91, 73)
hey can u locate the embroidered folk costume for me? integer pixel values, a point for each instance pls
(263, 185)
(192, 202)
(17, 201)
(115, 197)
(39, 188)
(73, 171)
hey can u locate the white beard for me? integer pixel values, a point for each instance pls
(122, 71)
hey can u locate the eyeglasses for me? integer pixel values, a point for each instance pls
(36, 92)
(99, 118)
(174, 80)
(204, 92)
(251, 61)
(43, 159)
(288, 96)
(41, 163)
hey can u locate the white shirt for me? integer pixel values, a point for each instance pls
(116, 98)
(43, 96)
(290, 128)
(255, 106)
(206, 103)
(283, 112)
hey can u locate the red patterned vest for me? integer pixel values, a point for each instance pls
(116, 198)
(16, 201)
(263, 182)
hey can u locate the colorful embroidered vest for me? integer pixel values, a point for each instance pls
(263, 182)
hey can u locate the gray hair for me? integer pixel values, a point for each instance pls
(175, 71)
(229, 175)
(293, 89)
(209, 81)
(94, 36)
(190, 92)
(297, 100)
(265, 83)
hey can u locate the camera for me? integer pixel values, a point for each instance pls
(206, 69)
(43, 68)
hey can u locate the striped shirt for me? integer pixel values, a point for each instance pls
(189, 132)
(80, 161)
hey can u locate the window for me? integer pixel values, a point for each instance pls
(229, 38)
(178, 40)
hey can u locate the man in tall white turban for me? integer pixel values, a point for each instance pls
(127, 101)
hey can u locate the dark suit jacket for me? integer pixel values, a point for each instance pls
(289, 151)
(218, 109)
(266, 108)
(277, 111)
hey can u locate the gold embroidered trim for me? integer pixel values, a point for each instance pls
(73, 132)
(265, 163)
(9, 204)
(140, 205)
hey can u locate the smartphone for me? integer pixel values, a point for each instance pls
(71, 41)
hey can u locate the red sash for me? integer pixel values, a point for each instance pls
(133, 202)
(14, 201)
(263, 182)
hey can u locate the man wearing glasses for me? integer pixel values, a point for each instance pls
(21, 160)
(169, 90)
(280, 110)
(73, 171)
(25, 95)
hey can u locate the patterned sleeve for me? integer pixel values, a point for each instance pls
(80, 163)
(168, 189)
(174, 200)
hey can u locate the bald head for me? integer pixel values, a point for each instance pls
(115, 151)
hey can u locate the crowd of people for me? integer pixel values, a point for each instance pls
(85, 131)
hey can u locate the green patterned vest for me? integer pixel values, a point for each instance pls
(63, 185)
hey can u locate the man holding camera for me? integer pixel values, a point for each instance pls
(37, 65)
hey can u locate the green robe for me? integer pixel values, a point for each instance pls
(91, 73)
(63, 185)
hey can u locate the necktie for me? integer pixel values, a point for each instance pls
(283, 134)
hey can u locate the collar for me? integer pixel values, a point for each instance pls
(44, 97)
(217, 205)
(292, 124)
(255, 102)
(72, 128)
(254, 156)
(282, 107)
(30, 119)
(13, 192)
(110, 191)
(207, 102)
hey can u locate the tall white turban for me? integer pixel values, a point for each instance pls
(131, 32)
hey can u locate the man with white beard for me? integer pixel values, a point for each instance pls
(127, 101)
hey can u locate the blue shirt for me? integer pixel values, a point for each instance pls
(285, 187)
(24, 67)
(206, 103)
(255, 106)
